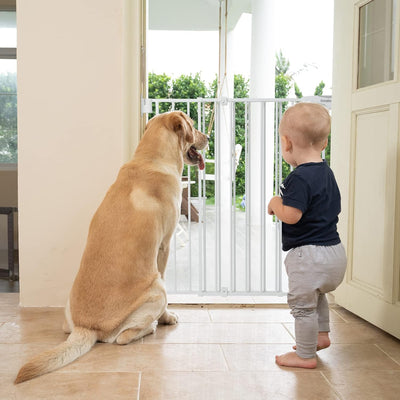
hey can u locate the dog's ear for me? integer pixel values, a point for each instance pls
(178, 123)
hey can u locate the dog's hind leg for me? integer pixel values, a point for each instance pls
(142, 321)
(131, 334)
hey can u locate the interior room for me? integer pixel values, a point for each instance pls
(75, 76)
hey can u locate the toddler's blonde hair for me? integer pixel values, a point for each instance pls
(306, 124)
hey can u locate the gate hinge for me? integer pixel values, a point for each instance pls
(146, 106)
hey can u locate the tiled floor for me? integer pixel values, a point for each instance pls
(215, 352)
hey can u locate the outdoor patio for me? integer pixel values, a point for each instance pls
(193, 268)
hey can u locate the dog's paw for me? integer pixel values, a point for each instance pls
(168, 318)
(66, 327)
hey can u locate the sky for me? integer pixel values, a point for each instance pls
(304, 33)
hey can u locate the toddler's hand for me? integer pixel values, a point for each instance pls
(270, 205)
(270, 211)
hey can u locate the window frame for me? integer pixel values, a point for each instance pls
(8, 53)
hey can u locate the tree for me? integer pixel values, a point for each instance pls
(297, 91)
(282, 64)
(282, 86)
(240, 91)
(8, 118)
(188, 87)
(193, 87)
(319, 89)
(159, 87)
(184, 87)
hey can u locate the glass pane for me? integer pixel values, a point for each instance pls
(8, 29)
(8, 111)
(376, 45)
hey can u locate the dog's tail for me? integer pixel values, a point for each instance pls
(79, 342)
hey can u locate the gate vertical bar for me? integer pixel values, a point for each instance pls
(202, 236)
(205, 211)
(278, 179)
(204, 220)
(247, 184)
(189, 212)
(233, 205)
(263, 197)
(217, 188)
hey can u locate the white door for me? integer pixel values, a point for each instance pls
(366, 156)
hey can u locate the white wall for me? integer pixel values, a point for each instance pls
(78, 104)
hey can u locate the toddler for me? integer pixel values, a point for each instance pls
(308, 206)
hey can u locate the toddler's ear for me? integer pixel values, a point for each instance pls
(286, 143)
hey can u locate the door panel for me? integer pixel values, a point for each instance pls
(365, 158)
(373, 200)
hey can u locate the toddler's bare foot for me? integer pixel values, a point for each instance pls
(323, 341)
(293, 360)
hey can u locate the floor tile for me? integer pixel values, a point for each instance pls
(215, 352)
(41, 313)
(355, 357)
(71, 386)
(365, 385)
(348, 316)
(39, 330)
(191, 313)
(253, 357)
(280, 385)
(250, 315)
(352, 333)
(9, 299)
(150, 357)
(220, 333)
(13, 356)
(391, 348)
(256, 315)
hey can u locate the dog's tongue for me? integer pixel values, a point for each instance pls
(201, 162)
(195, 154)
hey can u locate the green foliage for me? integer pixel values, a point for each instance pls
(319, 89)
(283, 83)
(188, 87)
(282, 64)
(193, 87)
(297, 91)
(282, 87)
(240, 91)
(8, 118)
(159, 87)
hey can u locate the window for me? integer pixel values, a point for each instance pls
(8, 87)
(376, 42)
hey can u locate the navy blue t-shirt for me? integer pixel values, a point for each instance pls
(311, 188)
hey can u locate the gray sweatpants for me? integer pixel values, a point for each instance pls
(312, 272)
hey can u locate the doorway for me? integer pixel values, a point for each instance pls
(8, 151)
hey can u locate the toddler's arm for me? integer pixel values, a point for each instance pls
(287, 214)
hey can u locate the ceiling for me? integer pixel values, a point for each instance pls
(193, 15)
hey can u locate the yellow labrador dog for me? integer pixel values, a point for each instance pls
(119, 294)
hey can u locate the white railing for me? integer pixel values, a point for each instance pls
(230, 250)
